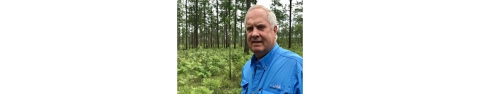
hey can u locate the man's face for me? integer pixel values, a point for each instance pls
(260, 35)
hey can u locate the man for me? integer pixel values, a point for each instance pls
(272, 69)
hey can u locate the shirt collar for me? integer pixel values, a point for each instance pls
(267, 59)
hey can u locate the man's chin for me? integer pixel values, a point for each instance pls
(257, 49)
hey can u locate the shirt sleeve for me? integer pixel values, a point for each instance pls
(299, 86)
(295, 69)
(244, 83)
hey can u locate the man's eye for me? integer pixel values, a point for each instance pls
(249, 28)
(261, 27)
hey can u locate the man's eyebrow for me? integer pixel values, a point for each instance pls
(261, 24)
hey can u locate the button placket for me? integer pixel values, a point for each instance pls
(257, 77)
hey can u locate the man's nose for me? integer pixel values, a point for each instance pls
(255, 33)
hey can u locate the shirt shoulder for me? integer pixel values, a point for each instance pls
(287, 62)
(289, 56)
(246, 66)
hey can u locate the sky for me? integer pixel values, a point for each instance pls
(268, 2)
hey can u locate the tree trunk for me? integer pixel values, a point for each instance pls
(225, 32)
(245, 48)
(225, 37)
(218, 37)
(228, 24)
(195, 40)
(204, 25)
(186, 25)
(211, 31)
(290, 26)
(241, 36)
(235, 26)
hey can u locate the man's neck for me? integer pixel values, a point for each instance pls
(260, 56)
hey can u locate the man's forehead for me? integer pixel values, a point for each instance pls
(257, 12)
(257, 16)
(257, 21)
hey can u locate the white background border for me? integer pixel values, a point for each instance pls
(350, 47)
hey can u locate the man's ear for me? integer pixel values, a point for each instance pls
(275, 29)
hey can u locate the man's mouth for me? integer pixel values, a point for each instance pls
(256, 41)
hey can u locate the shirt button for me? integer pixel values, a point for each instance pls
(264, 67)
(259, 89)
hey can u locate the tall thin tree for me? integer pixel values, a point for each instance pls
(290, 26)
(204, 32)
(235, 26)
(218, 37)
(245, 48)
(195, 40)
(186, 24)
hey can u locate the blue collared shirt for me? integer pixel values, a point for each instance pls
(278, 72)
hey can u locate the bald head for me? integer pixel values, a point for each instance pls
(272, 19)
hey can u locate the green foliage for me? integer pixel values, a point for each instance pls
(201, 90)
(207, 71)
